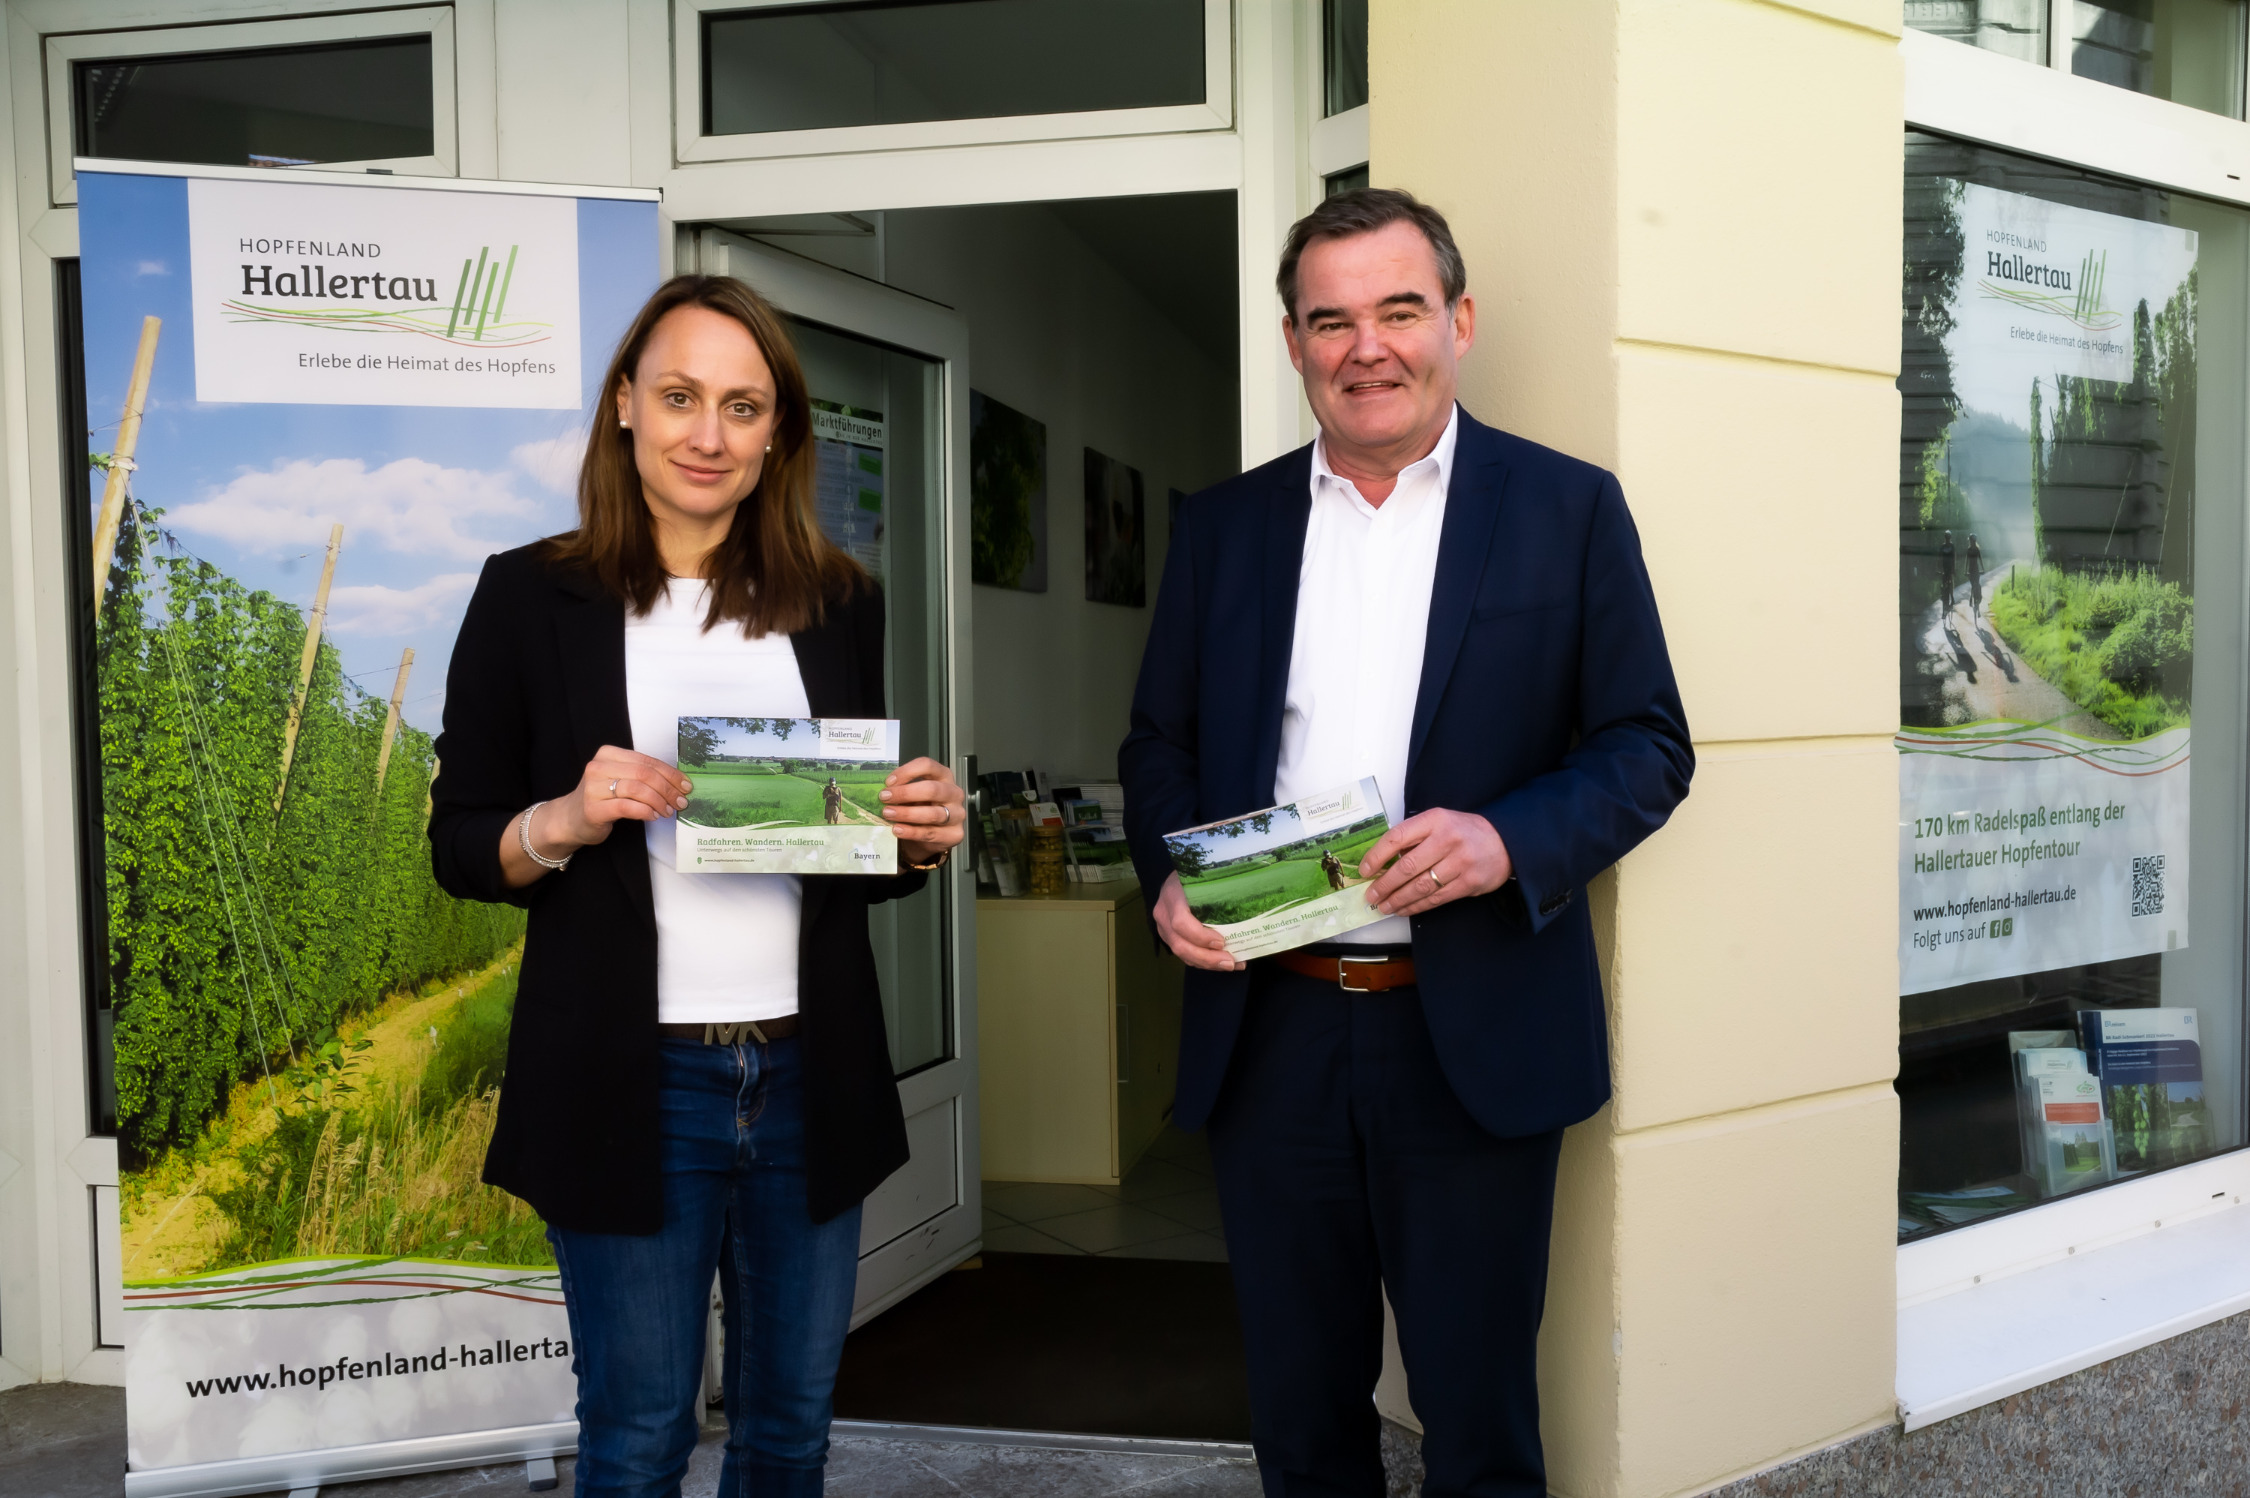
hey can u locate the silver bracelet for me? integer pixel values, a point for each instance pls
(523, 840)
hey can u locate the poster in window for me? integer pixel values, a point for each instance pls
(2046, 603)
(848, 443)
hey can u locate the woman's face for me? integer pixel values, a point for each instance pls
(701, 407)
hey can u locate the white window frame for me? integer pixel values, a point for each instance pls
(1959, 90)
(691, 145)
(2060, 15)
(434, 21)
(1339, 142)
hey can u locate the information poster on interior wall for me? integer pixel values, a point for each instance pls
(2046, 591)
(356, 390)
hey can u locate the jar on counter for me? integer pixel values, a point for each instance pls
(1048, 874)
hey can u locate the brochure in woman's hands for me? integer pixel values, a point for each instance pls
(787, 796)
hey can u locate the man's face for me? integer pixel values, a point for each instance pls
(1372, 337)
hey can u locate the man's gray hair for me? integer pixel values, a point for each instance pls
(1363, 211)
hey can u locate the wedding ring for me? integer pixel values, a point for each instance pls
(1435, 881)
(613, 789)
(947, 819)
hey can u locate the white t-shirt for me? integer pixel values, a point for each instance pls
(1355, 666)
(726, 944)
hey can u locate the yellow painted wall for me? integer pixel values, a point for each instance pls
(1681, 219)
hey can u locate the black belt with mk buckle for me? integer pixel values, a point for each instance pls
(763, 1031)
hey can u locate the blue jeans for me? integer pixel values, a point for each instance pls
(733, 1157)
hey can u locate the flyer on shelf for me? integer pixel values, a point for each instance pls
(1286, 876)
(786, 796)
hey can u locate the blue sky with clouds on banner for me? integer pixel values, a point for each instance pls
(424, 493)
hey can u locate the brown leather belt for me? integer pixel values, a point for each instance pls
(760, 1030)
(1351, 974)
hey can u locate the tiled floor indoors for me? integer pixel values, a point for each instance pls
(1168, 1208)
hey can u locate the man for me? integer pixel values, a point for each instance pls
(1945, 570)
(1386, 1111)
(1333, 867)
(832, 799)
(1975, 558)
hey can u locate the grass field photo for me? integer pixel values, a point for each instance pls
(1274, 881)
(1285, 876)
(786, 795)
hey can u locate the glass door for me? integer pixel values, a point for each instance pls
(889, 379)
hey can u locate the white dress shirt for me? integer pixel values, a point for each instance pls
(1355, 665)
(726, 944)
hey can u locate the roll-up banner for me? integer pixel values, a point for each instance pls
(318, 401)
(2046, 592)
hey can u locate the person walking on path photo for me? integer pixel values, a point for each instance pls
(1975, 559)
(1945, 571)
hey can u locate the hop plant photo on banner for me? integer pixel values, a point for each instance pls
(293, 487)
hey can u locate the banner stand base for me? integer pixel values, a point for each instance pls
(300, 1471)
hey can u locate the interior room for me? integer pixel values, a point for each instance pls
(1103, 373)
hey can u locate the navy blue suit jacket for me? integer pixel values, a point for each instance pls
(1547, 706)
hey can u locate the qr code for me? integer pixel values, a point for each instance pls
(2148, 885)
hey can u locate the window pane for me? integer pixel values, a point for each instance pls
(879, 433)
(2188, 51)
(822, 67)
(2017, 28)
(281, 106)
(86, 754)
(1344, 53)
(2071, 585)
(1351, 179)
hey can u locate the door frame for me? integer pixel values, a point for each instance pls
(855, 306)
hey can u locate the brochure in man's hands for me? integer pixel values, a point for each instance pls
(1285, 876)
(787, 796)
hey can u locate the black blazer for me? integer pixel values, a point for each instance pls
(1546, 705)
(537, 685)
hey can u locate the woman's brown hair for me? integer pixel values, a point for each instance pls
(775, 572)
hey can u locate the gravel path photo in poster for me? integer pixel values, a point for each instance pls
(2046, 608)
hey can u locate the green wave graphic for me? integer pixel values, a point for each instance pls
(259, 1291)
(509, 334)
(2064, 307)
(2013, 741)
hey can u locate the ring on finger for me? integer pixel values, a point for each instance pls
(613, 789)
(947, 808)
(1435, 881)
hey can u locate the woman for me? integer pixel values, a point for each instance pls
(697, 1078)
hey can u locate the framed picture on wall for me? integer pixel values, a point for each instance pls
(1007, 496)
(1116, 533)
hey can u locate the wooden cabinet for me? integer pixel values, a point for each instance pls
(1078, 1034)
